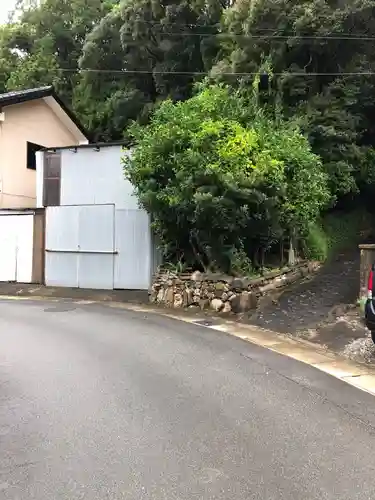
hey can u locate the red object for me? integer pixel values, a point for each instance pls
(370, 282)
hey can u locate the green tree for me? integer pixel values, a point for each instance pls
(222, 179)
(48, 38)
(104, 96)
(322, 61)
(8, 59)
(142, 52)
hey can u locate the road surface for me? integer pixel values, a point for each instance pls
(97, 403)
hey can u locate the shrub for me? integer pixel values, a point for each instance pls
(223, 179)
(316, 243)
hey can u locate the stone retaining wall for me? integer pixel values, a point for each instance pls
(222, 293)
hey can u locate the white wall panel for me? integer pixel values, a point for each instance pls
(133, 261)
(39, 178)
(8, 249)
(104, 218)
(62, 228)
(95, 271)
(24, 227)
(61, 269)
(96, 228)
(95, 177)
(16, 248)
(81, 255)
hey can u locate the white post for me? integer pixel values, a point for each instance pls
(39, 178)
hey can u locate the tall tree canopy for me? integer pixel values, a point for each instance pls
(163, 47)
(322, 55)
(48, 38)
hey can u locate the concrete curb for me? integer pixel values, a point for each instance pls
(358, 375)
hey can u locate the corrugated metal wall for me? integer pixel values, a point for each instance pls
(98, 237)
(95, 178)
(133, 243)
(80, 246)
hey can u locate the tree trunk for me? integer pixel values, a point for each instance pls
(282, 252)
(292, 254)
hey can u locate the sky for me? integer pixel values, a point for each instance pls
(5, 7)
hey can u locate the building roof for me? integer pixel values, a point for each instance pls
(21, 96)
(91, 145)
(18, 96)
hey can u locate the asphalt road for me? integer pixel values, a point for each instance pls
(97, 403)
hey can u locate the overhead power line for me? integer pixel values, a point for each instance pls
(266, 37)
(257, 36)
(203, 73)
(345, 34)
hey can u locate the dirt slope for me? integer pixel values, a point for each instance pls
(308, 303)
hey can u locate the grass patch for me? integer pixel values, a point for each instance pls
(337, 232)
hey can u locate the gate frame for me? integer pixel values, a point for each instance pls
(38, 244)
(79, 251)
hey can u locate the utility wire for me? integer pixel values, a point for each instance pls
(266, 37)
(203, 73)
(256, 36)
(348, 34)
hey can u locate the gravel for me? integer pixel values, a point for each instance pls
(318, 309)
(361, 350)
(309, 302)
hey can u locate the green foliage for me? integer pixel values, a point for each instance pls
(345, 229)
(323, 74)
(7, 59)
(31, 72)
(112, 60)
(236, 153)
(316, 242)
(44, 43)
(222, 179)
(338, 231)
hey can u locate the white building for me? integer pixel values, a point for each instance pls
(96, 236)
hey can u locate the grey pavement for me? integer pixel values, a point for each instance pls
(99, 403)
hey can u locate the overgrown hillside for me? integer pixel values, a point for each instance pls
(309, 65)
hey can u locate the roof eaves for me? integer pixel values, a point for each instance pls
(20, 96)
(91, 145)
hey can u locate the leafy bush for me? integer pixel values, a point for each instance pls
(339, 231)
(345, 230)
(316, 242)
(222, 179)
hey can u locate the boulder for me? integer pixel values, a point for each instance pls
(196, 276)
(178, 300)
(169, 297)
(245, 301)
(187, 297)
(204, 303)
(160, 295)
(217, 305)
(220, 286)
(227, 308)
(237, 284)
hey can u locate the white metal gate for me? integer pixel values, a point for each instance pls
(133, 242)
(16, 247)
(98, 246)
(80, 246)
